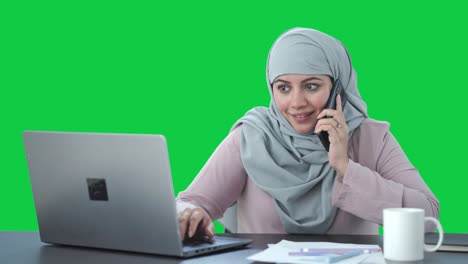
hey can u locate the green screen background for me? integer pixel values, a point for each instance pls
(190, 70)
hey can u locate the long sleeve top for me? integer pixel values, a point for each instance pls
(378, 176)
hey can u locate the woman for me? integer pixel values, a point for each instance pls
(277, 172)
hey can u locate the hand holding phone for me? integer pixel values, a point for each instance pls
(337, 89)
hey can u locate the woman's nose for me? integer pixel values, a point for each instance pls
(298, 100)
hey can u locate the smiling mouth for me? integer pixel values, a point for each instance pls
(302, 115)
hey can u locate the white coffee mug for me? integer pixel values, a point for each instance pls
(404, 234)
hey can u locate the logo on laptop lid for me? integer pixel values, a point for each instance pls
(97, 189)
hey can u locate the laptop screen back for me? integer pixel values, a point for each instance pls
(103, 190)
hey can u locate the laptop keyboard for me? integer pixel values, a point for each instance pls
(205, 244)
(197, 242)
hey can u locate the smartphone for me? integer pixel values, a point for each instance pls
(337, 89)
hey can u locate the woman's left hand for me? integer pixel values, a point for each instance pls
(337, 130)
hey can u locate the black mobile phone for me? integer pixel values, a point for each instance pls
(337, 89)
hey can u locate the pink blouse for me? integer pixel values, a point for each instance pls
(379, 175)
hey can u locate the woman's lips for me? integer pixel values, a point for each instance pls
(302, 117)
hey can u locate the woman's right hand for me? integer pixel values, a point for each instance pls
(195, 223)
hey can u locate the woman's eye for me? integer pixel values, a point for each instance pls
(311, 86)
(283, 88)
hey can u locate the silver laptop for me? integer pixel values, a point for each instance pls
(111, 191)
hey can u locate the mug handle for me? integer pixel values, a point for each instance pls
(441, 234)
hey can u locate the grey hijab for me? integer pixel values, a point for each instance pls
(293, 168)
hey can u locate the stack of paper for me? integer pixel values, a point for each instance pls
(280, 253)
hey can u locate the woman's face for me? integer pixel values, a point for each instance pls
(301, 97)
